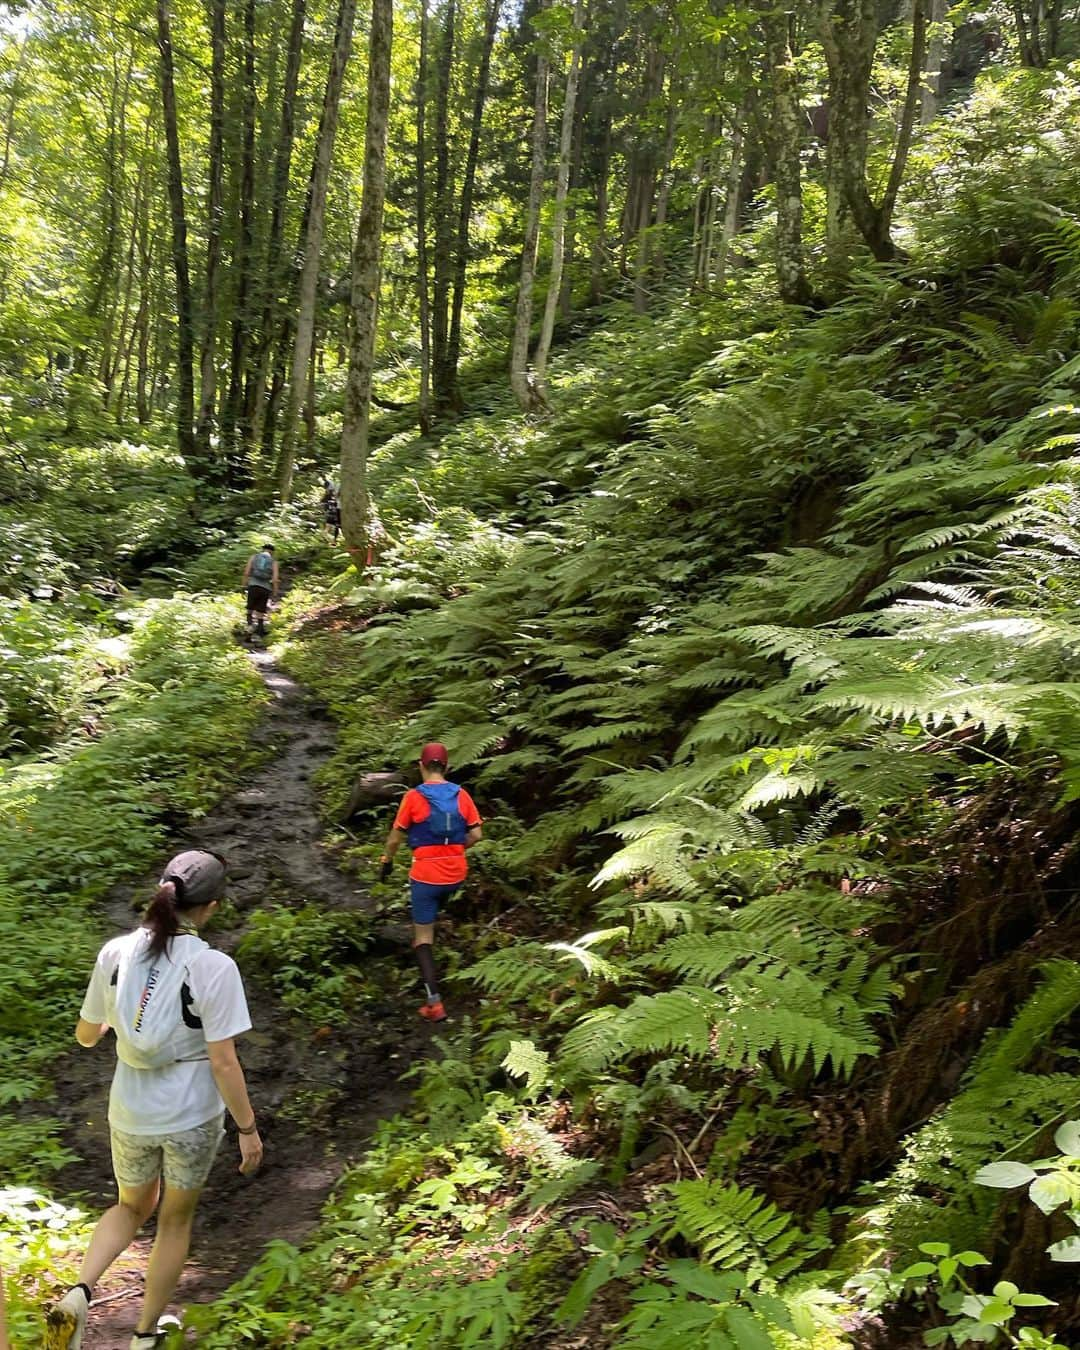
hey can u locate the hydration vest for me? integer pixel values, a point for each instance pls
(445, 823)
(262, 570)
(151, 1009)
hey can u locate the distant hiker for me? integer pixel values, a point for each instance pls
(260, 583)
(331, 509)
(176, 1006)
(439, 821)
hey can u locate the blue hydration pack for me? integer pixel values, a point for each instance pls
(445, 824)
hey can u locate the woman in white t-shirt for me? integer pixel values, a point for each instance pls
(176, 1006)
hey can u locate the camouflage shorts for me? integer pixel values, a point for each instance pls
(185, 1158)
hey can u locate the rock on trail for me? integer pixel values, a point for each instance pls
(271, 835)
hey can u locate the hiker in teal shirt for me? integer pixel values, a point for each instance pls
(260, 582)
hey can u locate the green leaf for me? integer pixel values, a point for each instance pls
(919, 1270)
(1006, 1289)
(1033, 1301)
(1052, 1191)
(749, 1331)
(997, 1312)
(1066, 1250)
(947, 1268)
(1067, 1138)
(972, 1259)
(1005, 1175)
(935, 1248)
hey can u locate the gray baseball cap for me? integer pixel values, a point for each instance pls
(199, 877)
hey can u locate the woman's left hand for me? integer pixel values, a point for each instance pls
(251, 1153)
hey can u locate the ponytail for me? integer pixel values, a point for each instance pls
(162, 918)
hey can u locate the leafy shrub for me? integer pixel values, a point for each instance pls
(314, 958)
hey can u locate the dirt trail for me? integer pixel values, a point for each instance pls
(271, 835)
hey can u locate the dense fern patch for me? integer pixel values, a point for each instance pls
(761, 656)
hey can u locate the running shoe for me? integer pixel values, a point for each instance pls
(66, 1321)
(433, 1012)
(151, 1340)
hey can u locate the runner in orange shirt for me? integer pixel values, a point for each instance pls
(439, 821)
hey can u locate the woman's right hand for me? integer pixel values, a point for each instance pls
(251, 1153)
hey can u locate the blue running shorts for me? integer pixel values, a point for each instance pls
(425, 898)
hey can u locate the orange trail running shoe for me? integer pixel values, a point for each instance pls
(433, 1012)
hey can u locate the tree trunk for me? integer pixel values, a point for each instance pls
(423, 298)
(521, 381)
(931, 93)
(787, 128)
(273, 271)
(730, 224)
(185, 324)
(9, 114)
(366, 260)
(444, 233)
(142, 316)
(663, 197)
(234, 436)
(849, 31)
(703, 213)
(904, 133)
(124, 344)
(312, 246)
(577, 154)
(214, 213)
(310, 398)
(447, 393)
(116, 153)
(599, 249)
(641, 218)
(1028, 33)
(558, 223)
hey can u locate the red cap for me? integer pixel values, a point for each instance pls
(434, 753)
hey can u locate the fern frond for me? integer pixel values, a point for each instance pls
(675, 1019)
(524, 1060)
(596, 967)
(735, 1228)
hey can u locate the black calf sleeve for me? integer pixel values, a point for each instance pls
(425, 959)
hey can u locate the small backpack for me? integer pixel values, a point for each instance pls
(445, 824)
(150, 1001)
(262, 569)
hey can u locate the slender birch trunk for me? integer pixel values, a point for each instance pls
(787, 130)
(236, 432)
(312, 248)
(558, 224)
(185, 324)
(366, 266)
(214, 215)
(446, 380)
(273, 269)
(423, 296)
(521, 381)
(444, 232)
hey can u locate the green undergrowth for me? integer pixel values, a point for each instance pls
(759, 657)
(314, 959)
(89, 514)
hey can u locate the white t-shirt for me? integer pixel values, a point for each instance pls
(182, 1095)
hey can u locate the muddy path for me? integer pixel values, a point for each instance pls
(318, 1094)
